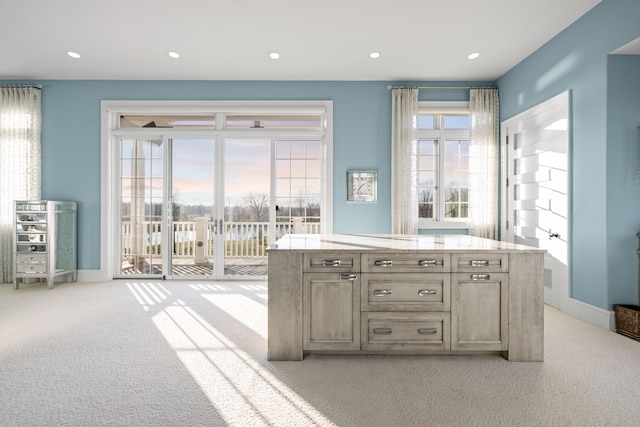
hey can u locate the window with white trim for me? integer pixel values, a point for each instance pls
(443, 167)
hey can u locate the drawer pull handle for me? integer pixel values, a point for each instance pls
(428, 331)
(344, 276)
(480, 277)
(382, 331)
(480, 263)
(384, 263)
(425, 292)
(331, 262)
(428, 262)
(381, 292)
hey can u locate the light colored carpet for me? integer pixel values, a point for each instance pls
(148, 353)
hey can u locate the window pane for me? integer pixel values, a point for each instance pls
(426, 122)
(271, 122)
(426, 178)
(171, 121)
(425, 210)
(297, 168)
(313, 150)
(282, 149)
(282, 187)
(283, 169)
(457, 122)
(426, 163)
(313, 168)
(282, 207)
(313, 188)
(426, 147)
(298, 149)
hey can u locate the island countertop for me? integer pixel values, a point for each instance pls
(394, 243)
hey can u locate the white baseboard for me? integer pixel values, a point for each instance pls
(591, 314)
(92, 276)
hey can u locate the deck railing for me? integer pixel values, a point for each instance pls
(242, 239)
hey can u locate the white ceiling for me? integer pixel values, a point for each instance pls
(231, 39)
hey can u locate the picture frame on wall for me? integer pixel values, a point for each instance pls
(362, 186)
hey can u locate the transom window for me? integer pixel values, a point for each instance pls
(443, 167)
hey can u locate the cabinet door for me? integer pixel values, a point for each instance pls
(331, 311)
(479, 312)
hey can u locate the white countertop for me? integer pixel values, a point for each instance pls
(390, 242)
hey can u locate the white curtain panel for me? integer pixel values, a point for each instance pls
(404, 200)
(483, 163)
(20, 124)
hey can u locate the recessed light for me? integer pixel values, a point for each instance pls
(374, 55)
(74, 55)
(174, 55)
(473, 55)
(274, 55)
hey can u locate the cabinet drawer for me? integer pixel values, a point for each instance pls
(406, 292)
(405, 262)
(329, 263)
(405, 331)
(480, 262)
(31, 238)
(31, 257)
(29, 249)
(31, 268)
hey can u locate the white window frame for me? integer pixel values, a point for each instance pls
(442, 108)
(110, 131)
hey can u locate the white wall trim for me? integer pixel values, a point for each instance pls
(92, 276)
(588, 313)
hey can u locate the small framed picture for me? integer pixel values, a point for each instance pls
(362, 186)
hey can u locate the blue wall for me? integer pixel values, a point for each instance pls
(577, 60)
(623, 183)
(362, 132)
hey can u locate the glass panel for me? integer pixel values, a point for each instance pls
(169, 121)
(247, 197)
(283, 149)
(283, 169)
(275, 121)
(457, 122)
(298, 149)
(283, 187)
(313, 150)
(297, 168)
(298, 198)
(140, 206)
(314, 169)
(427, 161)
(313, 187)
(193, 200)
(456, 178)
(426, 122)
(298, 188)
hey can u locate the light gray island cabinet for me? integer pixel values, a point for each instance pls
(398, 294)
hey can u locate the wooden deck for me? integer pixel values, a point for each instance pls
(234, 266)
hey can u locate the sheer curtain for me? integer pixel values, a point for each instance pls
(404, 200)
(20, 121)
(483, 163)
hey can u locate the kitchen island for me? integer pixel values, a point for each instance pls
(401, 294)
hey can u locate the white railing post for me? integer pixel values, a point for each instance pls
(201, 243)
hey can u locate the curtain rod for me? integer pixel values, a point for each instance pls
(37, 86)
(442, 87)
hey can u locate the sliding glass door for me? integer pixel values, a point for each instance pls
(192, 222)
(201, 195)
(247, 205)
